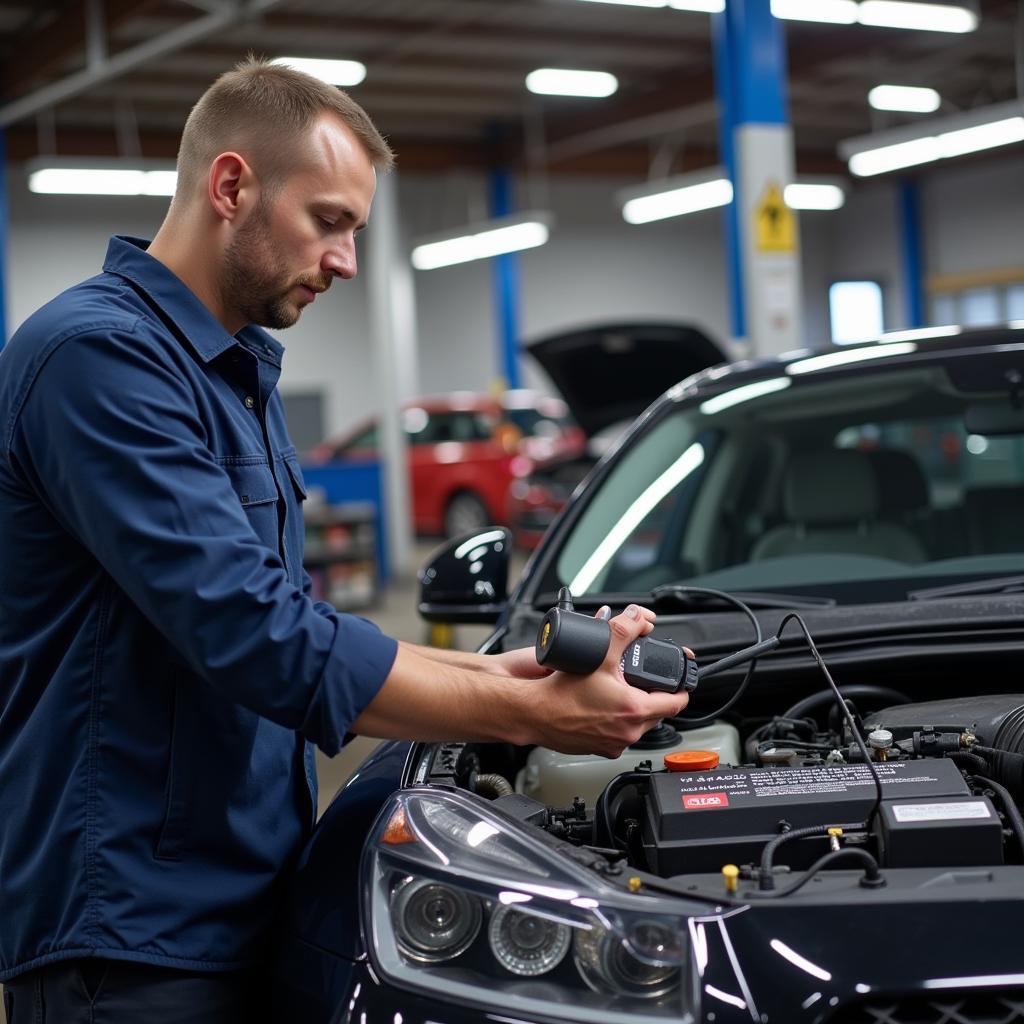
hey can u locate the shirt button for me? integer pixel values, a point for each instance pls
(250, 402)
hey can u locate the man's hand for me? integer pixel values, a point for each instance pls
(601, 713)
(428, 699)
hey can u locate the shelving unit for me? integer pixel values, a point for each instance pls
(341, 554)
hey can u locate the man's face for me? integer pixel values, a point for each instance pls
(301, 236)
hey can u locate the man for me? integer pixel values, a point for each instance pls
(163, 670)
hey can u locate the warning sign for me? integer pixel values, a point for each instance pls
(774, 222)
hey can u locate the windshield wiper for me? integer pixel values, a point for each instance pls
(993, 585)
(679, 595)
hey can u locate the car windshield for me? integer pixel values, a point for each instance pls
(863, 485)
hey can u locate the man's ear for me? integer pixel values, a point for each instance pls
(231, 186)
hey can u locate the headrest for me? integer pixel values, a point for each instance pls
(902, 485)
(826, 487)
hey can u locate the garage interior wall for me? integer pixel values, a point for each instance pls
(595, 267)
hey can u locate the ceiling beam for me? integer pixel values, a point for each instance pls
(60, 41)
(125, 60)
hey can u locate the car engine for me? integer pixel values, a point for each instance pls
(941, 789)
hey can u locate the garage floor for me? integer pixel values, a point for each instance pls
(395, 613)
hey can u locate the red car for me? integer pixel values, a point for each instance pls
(465, 449)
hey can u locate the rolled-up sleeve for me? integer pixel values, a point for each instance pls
(110, 437)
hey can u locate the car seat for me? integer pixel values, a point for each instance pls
(831, 503)
(995, 519)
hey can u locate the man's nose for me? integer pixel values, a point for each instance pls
(340, 260)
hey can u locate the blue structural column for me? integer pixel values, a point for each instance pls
(3, 237)
(506, 283)
(910, 244)
(756, 143)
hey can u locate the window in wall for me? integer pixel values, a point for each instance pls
(979, 305)
(1015, 302)
(855, 311)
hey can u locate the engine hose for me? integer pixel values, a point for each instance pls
(1007, 764)
(801, 707)
(493, 786)
(766, 879)
(1012, 810)
(872, 876)
(968, 762)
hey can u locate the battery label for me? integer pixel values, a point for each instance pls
(704, 801)
(941, 812)
(769, 782)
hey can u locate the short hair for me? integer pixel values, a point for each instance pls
(263, 110)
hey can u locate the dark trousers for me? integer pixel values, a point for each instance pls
(95, 991)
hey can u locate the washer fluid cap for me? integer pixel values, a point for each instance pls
(691, 760)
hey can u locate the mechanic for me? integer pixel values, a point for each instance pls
(164, 670)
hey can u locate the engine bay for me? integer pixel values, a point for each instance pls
(769, 797)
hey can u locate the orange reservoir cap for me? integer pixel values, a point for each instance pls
(691, 760)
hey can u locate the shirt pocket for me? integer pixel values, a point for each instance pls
(257, 492)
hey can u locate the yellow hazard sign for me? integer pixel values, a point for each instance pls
(774, 222)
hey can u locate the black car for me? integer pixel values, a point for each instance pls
(806, 856)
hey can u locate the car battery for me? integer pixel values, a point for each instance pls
(699, 821)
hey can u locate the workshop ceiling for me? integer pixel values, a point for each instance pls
(445, 77)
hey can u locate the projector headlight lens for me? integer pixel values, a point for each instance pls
(434, 922)
(608, 964)
(525, 944)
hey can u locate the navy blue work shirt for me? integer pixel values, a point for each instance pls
(162, 664)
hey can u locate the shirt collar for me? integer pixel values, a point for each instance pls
(127, 257)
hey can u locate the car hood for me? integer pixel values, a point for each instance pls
(609, 373)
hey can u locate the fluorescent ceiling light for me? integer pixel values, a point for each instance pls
(334, 72)
(566, 82)
(480, 241)
(121, 180)
(707, 6)
(632, 3)
(710, 6)
(711, 187)
(856, 355)
(832, 12)
(931, 17)
(673, 197)
(927, 17)
(908, 98)
(1001, 124)
(810, 195)
(746, 393)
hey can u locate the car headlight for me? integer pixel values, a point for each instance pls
(463, 903)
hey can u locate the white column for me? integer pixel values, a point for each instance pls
(392, 306)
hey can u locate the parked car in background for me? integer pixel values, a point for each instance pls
(465, 449)
(608, 374)
(821, 858)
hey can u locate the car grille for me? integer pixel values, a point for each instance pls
(1005, 1007)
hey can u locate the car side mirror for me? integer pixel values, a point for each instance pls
(466, 579)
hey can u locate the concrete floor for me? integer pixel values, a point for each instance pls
(396, 615)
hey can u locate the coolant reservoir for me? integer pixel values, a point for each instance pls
(555, 779)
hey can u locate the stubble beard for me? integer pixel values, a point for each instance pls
(251, 287)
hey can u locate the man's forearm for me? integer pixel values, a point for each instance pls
(427, 698)
(461, 659)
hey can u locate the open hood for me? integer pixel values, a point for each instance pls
(609, 373)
